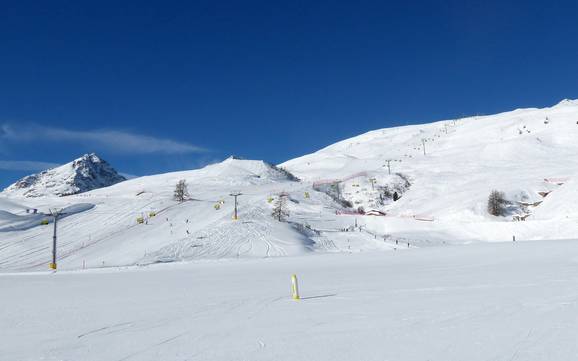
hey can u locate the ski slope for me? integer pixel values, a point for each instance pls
(381, 278)
(492, 301)
(529, 154)
(107, 233)
(523, 153)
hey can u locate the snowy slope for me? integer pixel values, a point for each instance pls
(523, 153)
(529, 154)
(81, 175)
(562, 202)
(465, 159)
(200, 228)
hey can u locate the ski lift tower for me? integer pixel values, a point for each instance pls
(55, 214)
(388, 161)
(235, 194)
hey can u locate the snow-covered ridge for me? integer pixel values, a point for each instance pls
(81, 175)
(567, 102)
(254, 171)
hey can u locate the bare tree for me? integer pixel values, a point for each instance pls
(280, 211)
(181, 191)
(496, 203)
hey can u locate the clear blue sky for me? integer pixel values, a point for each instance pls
(160, 86)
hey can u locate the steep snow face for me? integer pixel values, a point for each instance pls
(517, 152)
(81, 175)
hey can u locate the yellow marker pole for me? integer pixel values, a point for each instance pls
(294, 288)
(52, 265)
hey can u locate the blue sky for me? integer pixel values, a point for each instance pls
(161, 86)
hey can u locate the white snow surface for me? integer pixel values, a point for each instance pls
(432, 279)
(489, 301)
(523, 153)
(108, 234)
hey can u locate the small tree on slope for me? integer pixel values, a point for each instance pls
(280, 211)
(496, 203)
(181, 191)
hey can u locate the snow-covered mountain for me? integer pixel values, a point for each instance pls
(138, 220)
(81, 175)
(442, 300)
(527, 153)
(375, 191)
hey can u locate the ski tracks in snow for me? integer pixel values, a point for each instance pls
(250, 236)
